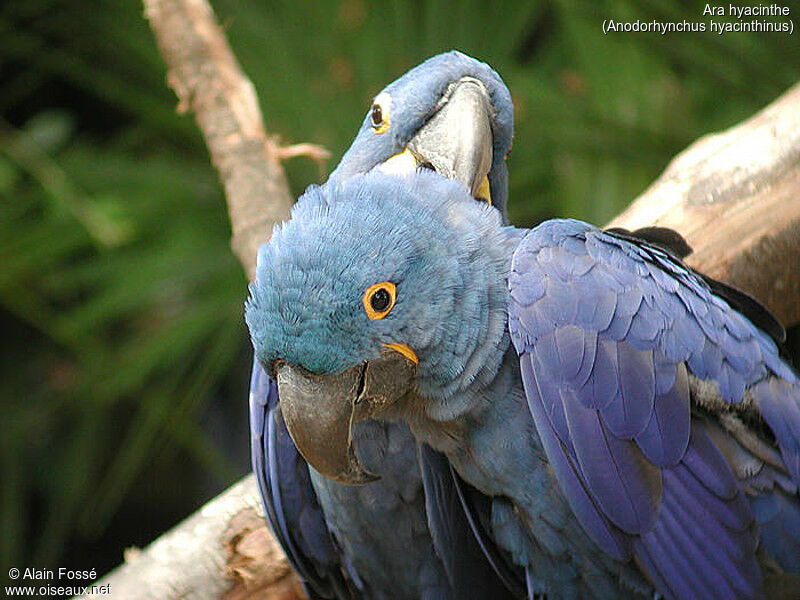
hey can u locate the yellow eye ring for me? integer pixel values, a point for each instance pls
(379, 113)
(379, 299)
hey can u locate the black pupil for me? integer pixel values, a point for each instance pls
(377, 115)
(380, 300)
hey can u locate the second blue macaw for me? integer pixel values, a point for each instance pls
(631, 422)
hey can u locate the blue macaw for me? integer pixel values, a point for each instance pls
(452, 115)
(632, 423)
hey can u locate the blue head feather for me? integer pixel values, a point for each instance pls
(414, 99)
(447, 254)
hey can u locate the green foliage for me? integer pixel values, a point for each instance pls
(119, 296)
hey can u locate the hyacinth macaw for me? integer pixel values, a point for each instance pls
(452, 115)
(632, 423)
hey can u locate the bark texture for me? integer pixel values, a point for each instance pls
(209, 82)
(735, 197)
(224, 550)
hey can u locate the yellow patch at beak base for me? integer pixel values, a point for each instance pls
(484, 191)
(402, 163)
(405, 350)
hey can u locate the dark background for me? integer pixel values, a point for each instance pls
(125, 360)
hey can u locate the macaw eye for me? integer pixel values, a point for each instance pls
(379, 113)
(379, 299)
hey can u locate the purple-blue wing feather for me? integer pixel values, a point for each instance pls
(609, 330)
(666, 435)
(458, 516)
(777, 400)
(706, 535)
(290, 502)
(564, 465)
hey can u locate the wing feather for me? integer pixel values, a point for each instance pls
(456, 516)
(612, 388)
(597, 524)
(289, 500)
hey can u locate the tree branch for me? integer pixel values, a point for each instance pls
(207, 79)
(735, 196)
(225, 549)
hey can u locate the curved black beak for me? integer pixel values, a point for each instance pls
(320, 410)
(456, 141)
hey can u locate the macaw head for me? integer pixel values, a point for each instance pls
(451, 114)
(379, 293)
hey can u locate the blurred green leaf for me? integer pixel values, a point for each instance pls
(50, 130)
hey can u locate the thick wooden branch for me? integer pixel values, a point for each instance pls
(735, 196)
(208, 80)
(224, 550)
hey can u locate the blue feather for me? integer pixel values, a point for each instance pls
(289, 500)
(666, 436)
(621, 482)
(707, 542)
(474, 564)
(606, 535)
(778, 518)
(629, 412)
(603, 385)
(666, 325)
(575, 350)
